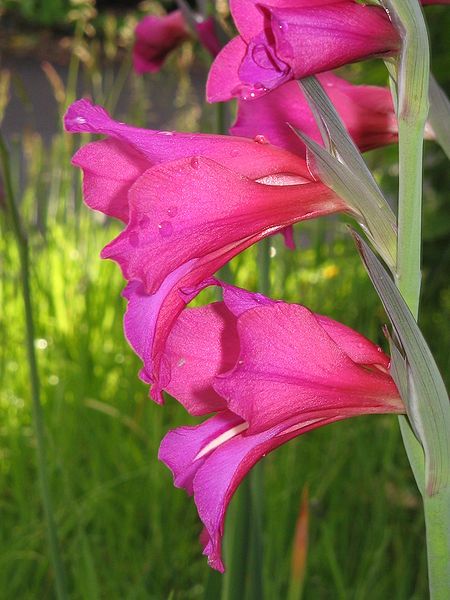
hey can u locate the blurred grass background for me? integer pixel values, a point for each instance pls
(125, 531)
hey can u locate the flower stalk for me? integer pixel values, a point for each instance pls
(412, 112)
(38, 419)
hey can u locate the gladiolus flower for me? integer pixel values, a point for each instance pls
(272, 371)
(367, 111)
(191, 203)
(206, 32)
(291, 39)
(156, 37)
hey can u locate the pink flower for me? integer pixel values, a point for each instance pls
(291, 39)
(367, 111)
(191, 202)
(271, 371)
(206, 32)
(156, 37)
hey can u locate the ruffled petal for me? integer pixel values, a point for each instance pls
(289, 366)
(367, 111)
(250, 158)
(109, 170)
(321, 38)
(211, 459)
(223, 78)
(190, 208)
(202, 344)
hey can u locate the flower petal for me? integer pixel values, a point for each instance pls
(321, 38)
(290, 366)
(202, 344)
(181, 446)
(367, 112)
(156, 37)
(214, 477)
(109, 170)
(223, 78)
(247, 157)
(190, 208)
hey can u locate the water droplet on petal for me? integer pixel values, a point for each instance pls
(249, 92)
(133, 238)
(172, 211)
(165, 229)
(379, 349)
(165, 132)
(181, 362)
(240, 362)
(195, 163)
(80, 120)
(283, 26)
(261, 139)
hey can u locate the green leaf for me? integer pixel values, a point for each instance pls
(343, 169)
(419, 380)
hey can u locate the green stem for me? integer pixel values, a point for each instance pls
(437, 522)
(412, 111)
(38, 420)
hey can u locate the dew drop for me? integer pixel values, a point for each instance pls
(133, 238)
(181, 362)
(249, 92)
(379, 349)
(165, 229)
(282, 26)
(240, 362)
(165, 132)
(261, 139)
(80, 120)
(172, 211)
(195, 163)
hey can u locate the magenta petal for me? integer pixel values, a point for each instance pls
(213, 477)
(261, 68)
(150, 317)
(247, 157)
(289, 365)
(156, 37)
(357, 347)
(216, 207)
(250, 19)
(142, 319)
(238, 301)
(202, 344)
(206, 31)
(223, 78)
(110, 169)
(180, 447)
(367, 111)
(320, 38)
(289, 240)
